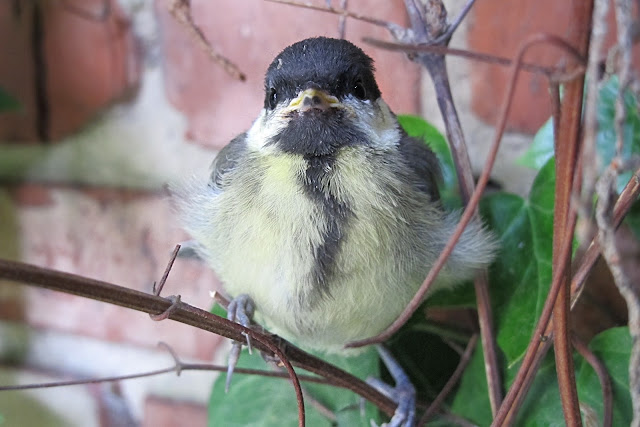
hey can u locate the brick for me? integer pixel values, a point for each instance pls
(160, 412)
(498, 28)
(89, 61)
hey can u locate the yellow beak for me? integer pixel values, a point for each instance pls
(313, 98)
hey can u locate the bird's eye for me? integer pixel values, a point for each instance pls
(272, 98)
(359, 90)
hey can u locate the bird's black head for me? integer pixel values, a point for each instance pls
(334, 66)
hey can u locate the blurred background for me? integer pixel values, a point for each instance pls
(113, 100)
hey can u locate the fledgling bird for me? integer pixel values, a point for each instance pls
(325, 213)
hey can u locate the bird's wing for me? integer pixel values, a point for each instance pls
(226, 161)
(424, 164)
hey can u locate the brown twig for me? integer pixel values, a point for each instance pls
(567, 150)
(341, 12)
(463, 53)
(603, 377)
(605, 188)
(628, 196)
(465, 358)
(158, 290)
(178, 368)
(181, 11)
(187, 314)
(429, 26)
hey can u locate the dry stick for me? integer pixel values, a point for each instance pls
(603, 377)
(590, 160)
(178, 368)
(445, 50)
(465, 358)
(566, 142)
(567, 148)
(341, 12)
(605, 188)
(184, 313)
(294, 379)
(629, 290)
(181, 11)
(566, 156)
(628, 196)
(429, 24)
(158, 290)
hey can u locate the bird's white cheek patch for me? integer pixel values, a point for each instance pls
(378, 123)
(264, 129)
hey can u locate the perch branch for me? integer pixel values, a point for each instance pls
(184, 313)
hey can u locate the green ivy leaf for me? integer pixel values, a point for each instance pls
(543, 406)
(262, 402)
(633, 219)
(606, 136)
(521, 274)
(541, 150)
(613, 348)
(218, 310)
(8, 102)
(419, 128)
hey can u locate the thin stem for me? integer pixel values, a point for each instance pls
(463, 53)
(341, 12)
(566, 149)
(628, 196)
(603, 376)
(181, 11)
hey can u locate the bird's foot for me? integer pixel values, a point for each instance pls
(404, 394)
(240, 310)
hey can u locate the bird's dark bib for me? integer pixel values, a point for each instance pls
(318, 133)
(336, 215)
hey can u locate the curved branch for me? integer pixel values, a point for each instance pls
(184, 313)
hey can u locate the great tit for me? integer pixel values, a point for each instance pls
(325, 213)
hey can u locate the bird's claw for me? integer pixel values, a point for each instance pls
(240, 310)
(404, 394)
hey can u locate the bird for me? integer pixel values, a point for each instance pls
(325, 215)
